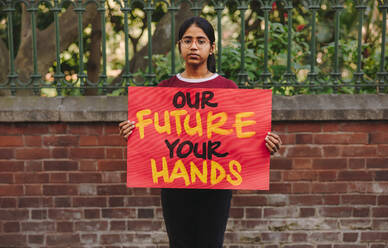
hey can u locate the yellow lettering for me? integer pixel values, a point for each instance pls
(194, 172)
(177, 114)
(167, 126)
(239, 124)
(238, 179)
(163, 173)
(193, 130)
(215, 127)
(179, 166)
(214, 179)
(142, 123)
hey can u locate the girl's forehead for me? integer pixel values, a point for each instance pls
(194, 31)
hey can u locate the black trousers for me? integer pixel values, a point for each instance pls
(196, 218)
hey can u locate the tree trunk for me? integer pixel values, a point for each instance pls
(94, 61)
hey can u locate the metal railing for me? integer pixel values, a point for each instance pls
(314, 81)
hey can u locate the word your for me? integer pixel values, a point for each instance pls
(190, 175)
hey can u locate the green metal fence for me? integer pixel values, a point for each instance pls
(315, 81)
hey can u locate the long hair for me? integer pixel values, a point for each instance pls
(207, 28)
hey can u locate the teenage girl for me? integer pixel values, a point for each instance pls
(197, 218)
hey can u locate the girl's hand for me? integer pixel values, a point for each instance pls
(273, 142)
(126, 128)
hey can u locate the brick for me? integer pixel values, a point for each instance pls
(13, 240)
(35, 239)
(306, 200)
(32, 153)
(7, 141)
(88, 165)
(11, 190)
(324, 237)
(138, 201)
(33, 189)
(357, 127)
(144, 225)
(380, 212)
(299, 237)
(65, 214)
(374, 236)
(377, 187)
(62, 202)
(112, 165)
(300, 176)
(329, 164)
(60, 165)
(335, 212)
(6, 166)
(331, 199)
(113, 190)
(378, 246)
(377, 163)
(65, 227)
(249, 200)
(304, 127)
(382, 200)
(307, 212)
(40, 214)
(350, 246)
(275, 237)
(282, 188)
(356, 163)
(89, 202)
(32, 178)
(277, 200)
(62, 140)
(111, 177)
(57, 128)
(111, 140)
(300, 188)
(355, 176)
(34, 202)
(88, 141)
(304, 139)
(87, 153)
(146, 213)
(297, 246)
(34, 165)
(60, 190)
(114, 153)
(287, 139)
(280, 212)
(91, 226)
(85, 129)
(381, 175)
(356, 138)
(92, 213)
(304, 151)
(281, 164)
(380, 224)
(6, 153)
(329, 187)
(361, 212)
(111, 129)
(31, 128)
(11, 227)
(33, 140)
(116, 238)
(41, 226)
(332, 151)
(116, 201)
(6, 178)
(118, 213)
(59, 178)
(379, 138)
(117, 225)
(63, 239)
(302, 164)
(13, 214)
(327, 176)
(252, 213)
(85, 177)
(352, 151)
(59, 152)
(359, 199)
(350, 237)
(8, 202)
(382, 150)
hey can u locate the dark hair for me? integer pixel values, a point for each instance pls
(207, 29)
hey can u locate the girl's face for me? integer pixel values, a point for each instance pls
(195, 46)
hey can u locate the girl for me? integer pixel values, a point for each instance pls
(197, 218)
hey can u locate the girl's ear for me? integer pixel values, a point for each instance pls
(212, 48)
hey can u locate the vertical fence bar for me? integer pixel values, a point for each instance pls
(336, 75)
(58, 76)
(359, 74)
(103, 75)
(243, 76)
(196, 7)
(172, 9)
(288, 75)
(219, 8)
(314, 6)
(12, 76)
(35, 76)
(149, 10)
(266, 74)
(81, 75)
(126, 75)
(382, 73)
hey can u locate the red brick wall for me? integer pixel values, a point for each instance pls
(63, 185)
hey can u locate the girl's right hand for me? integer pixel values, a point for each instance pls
(126, 128)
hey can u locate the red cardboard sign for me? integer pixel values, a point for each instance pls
(198, 138)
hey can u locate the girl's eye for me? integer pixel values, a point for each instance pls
(201, 42)
(187, 41)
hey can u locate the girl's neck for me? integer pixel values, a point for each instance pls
(202, 72)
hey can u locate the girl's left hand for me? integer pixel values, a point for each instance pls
(273, 142)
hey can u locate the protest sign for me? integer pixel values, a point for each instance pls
(198, 138)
